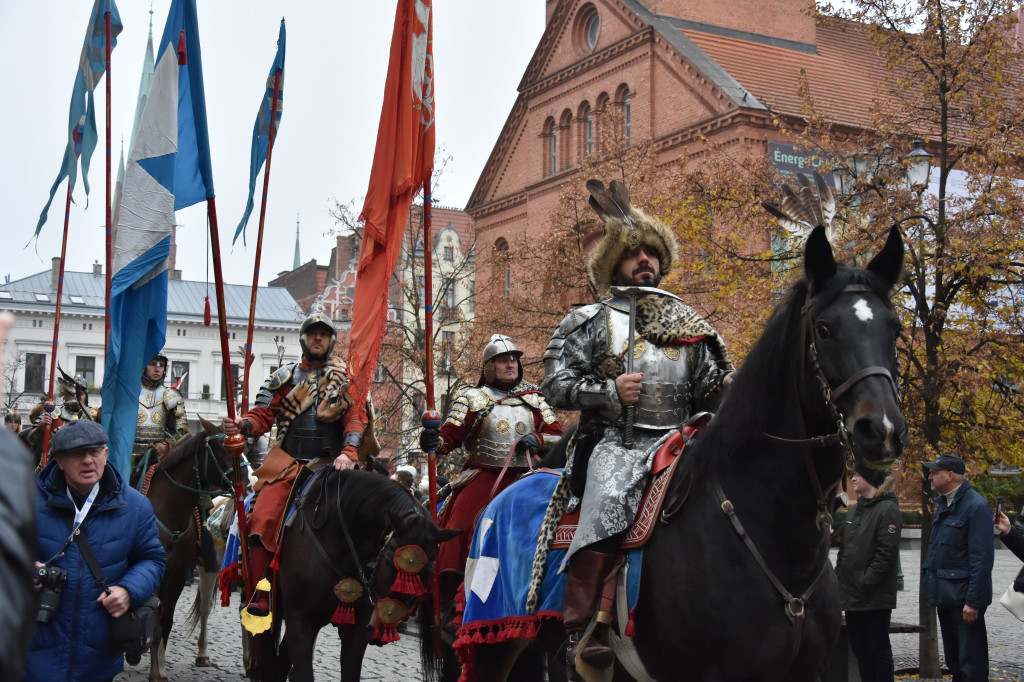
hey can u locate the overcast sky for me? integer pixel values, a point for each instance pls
(337, 53)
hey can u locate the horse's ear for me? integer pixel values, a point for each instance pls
(888, 263)
(208, 426)
(819, 263)
(446, 534)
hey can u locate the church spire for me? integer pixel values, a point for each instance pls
(298, 259)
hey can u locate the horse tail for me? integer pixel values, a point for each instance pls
(192, 620)
(432, 666)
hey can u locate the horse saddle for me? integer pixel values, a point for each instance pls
(662, 470)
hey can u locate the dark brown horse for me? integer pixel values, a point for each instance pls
(349, 525)
(198, 465)
(736, 583)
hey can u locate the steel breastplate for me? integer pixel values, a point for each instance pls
(506, 423)
(152, 426)
(306, 436)
(665, 389)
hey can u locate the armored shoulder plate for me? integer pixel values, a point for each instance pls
(276, 380)
(571, 322)
(173, 399)
(477, 398)
(536, 401)
(459, 409)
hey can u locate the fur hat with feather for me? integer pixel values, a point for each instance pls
(625, 227)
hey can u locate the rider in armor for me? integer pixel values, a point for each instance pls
(309, 403)
(500, 423)
(680, 364)
(162, 421)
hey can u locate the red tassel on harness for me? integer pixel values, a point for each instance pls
(387, 634)
(274, 563)
(631, 626)
(345, 614)
(408, 583)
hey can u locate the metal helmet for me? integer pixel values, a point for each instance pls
(499, 345)
(167, 364)
(318, 317)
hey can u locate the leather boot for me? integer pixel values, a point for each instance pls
(259, 560)
(589, 572)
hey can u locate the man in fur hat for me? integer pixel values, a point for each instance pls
(867, 569)
(680, 365)
(313, 410)
(500, 422)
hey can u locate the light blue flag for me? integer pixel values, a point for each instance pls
(91, 67)
(168, 169)
(261, 131)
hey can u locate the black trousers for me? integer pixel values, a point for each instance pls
(965, 646)
(869, 640)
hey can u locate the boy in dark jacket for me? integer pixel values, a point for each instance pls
(867, 568)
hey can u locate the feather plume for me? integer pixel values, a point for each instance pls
(609, 203)
(802, 209)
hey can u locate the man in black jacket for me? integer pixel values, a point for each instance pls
(867, 568)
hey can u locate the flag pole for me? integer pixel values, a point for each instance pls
(235, 444)
(259, 242)
(49, 404)
(109, 239)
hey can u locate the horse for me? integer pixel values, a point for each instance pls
(351, 530)
(197, 465)
(736, 582)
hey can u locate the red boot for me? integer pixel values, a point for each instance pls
(259, 560)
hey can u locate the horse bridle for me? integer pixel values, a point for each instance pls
(796, 606)
(203, 488)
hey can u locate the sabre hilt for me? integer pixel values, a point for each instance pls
(627, 431)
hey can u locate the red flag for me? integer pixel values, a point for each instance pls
(401, 164)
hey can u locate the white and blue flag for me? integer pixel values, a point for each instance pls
(168, 169)
(261, 131)
(82, 115)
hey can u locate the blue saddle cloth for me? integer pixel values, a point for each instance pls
(500, 564)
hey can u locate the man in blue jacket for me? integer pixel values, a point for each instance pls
(77, 490)
(958, 569)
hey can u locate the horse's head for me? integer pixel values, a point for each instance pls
(402, 571)
(850, 331)
(216, 467)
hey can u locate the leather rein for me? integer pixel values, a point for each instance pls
(796, 606)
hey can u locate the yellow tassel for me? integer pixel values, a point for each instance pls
(256, 624)
(263, 585)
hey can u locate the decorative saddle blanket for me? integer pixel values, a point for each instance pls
(499, 567)
(661, 474)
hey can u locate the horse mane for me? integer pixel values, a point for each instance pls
(771, 366)
(369, 490)
(182, 449)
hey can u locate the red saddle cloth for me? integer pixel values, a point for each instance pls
(665, 461)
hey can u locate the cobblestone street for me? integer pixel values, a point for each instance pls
(400, 661)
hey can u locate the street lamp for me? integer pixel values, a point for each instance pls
(918, 167)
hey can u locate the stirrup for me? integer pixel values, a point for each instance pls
(254, 618)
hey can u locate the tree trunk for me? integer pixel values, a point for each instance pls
(928, 645)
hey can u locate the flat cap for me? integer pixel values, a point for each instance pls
(948, 463)
(76, 435)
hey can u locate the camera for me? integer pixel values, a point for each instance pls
(51, 579)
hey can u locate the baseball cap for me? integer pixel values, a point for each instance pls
(948, 463)
(76, 435)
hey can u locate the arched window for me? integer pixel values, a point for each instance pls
(565, 125)
(551, 151)
(501, 247)
(586, 120)
(624, 102)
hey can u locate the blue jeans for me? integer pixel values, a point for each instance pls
(965, 646)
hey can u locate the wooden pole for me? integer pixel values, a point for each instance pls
(259, 243)
(235, 445)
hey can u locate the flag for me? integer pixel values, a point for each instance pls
(261, 131)
(402, 162)
(168, 169)
(91, 66)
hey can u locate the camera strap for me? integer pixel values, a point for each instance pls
(90, 558)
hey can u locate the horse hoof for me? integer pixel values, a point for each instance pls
(203, 662)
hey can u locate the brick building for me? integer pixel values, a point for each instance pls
(673, 72)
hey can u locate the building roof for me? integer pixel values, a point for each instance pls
(84, 293)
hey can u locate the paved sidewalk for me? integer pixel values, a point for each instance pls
(399, 661)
